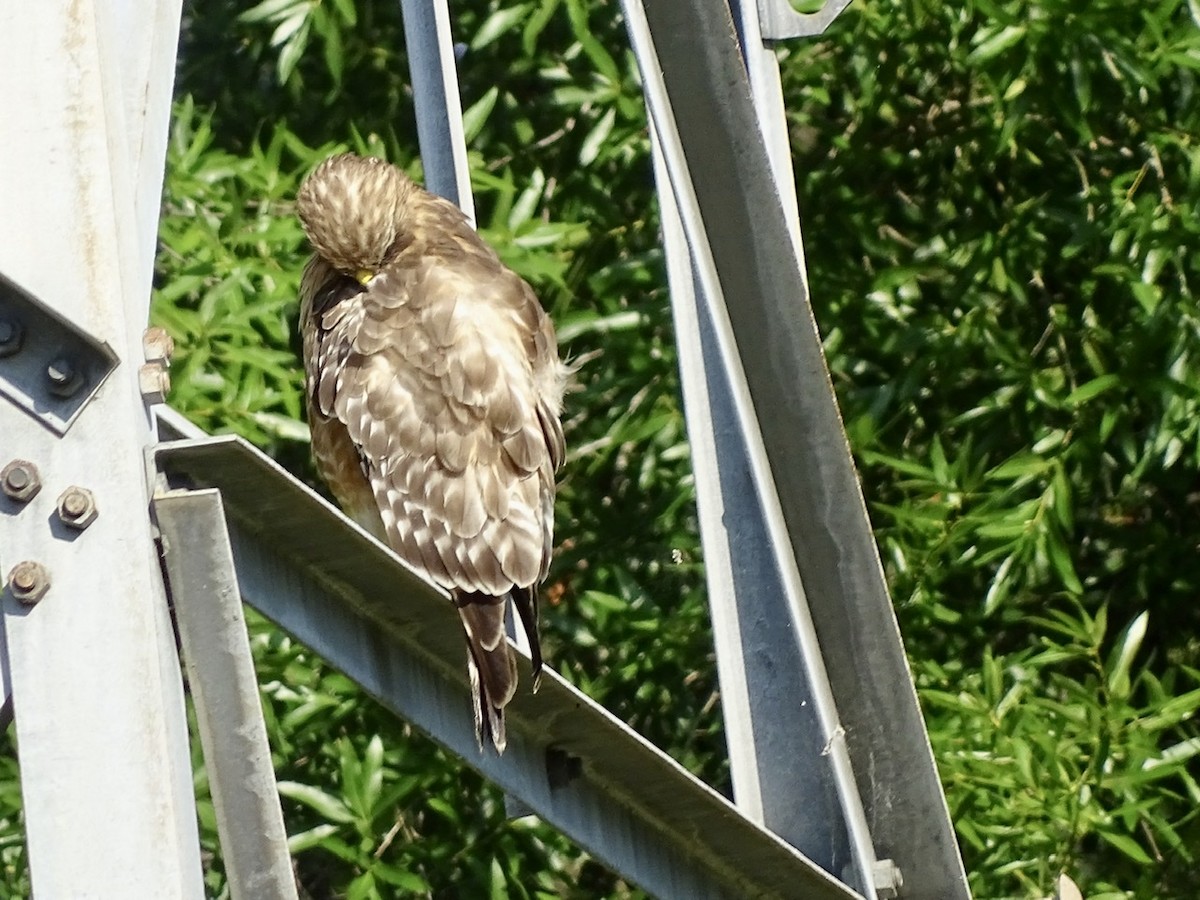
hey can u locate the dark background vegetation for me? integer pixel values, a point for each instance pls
(1001, 209)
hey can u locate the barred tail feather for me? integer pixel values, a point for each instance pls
(490, 664)
(525, 599)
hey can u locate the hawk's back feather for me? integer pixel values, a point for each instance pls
(434, 396)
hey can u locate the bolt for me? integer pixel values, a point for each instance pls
(64, 379)
(888, 879)
(561, 767)
(157, 345)
(20, 480)
(11, 336)
(77, 508)
(28, 581)
(154, 382)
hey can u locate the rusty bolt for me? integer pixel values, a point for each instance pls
(28, 582)
(20, 480)
(11, 336)
(64, 378)
(154, 382)
(157, 345)
(77, 508)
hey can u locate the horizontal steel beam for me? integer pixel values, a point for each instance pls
(346, 596)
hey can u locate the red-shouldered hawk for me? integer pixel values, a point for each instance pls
(434, 393)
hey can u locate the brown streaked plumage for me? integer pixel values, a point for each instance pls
(434, 396)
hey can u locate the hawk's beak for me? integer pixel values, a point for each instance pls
(364, 276)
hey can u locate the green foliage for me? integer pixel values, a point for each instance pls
(1014, 340)
(1000, 205)
(1086, 755)
(1015, 187)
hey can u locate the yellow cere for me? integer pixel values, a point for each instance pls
(364, 275)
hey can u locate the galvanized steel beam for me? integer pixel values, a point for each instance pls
(802, 471)
(99, 710)
(781, 724)
(431, 63)
(350, 599)
(224, 689)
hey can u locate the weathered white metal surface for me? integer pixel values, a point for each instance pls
(100, 723)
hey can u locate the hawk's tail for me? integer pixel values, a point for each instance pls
(490, 662)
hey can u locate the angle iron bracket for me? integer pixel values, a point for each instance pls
(779, 20)
(49, 366)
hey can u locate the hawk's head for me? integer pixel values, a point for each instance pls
(351, 208)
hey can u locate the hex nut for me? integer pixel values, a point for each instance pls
(77, 508)
(157, 345)
(28, 581)
(63, 377)
(154, 382)
(12, 335)
(889, 880)
(20, 481)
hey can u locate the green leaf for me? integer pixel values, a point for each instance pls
(1023, 464)
(476, 115)
(313, 837)
(1015, 89)
(287, 29)
(498, 23)
(1131, 642)
(596, 138)
(282, 427)
(292, 51)
(998, 590)
(1092, 389)
(595, 51)
(1126, 845)
(322, 802)
(542, 14)
(996, 42)
(401, 878)
(1060, 558)
(346, 11)
(335, 59)
(271, 9)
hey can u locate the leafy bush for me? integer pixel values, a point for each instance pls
(999, 203)
(1000, 208)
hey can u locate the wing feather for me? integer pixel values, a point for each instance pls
(430, 371)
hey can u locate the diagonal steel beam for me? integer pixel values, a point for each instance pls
(430, 48)
(700, 102)
(345, 595)
(216, 651)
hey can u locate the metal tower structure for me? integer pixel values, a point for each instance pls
(835, 787)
